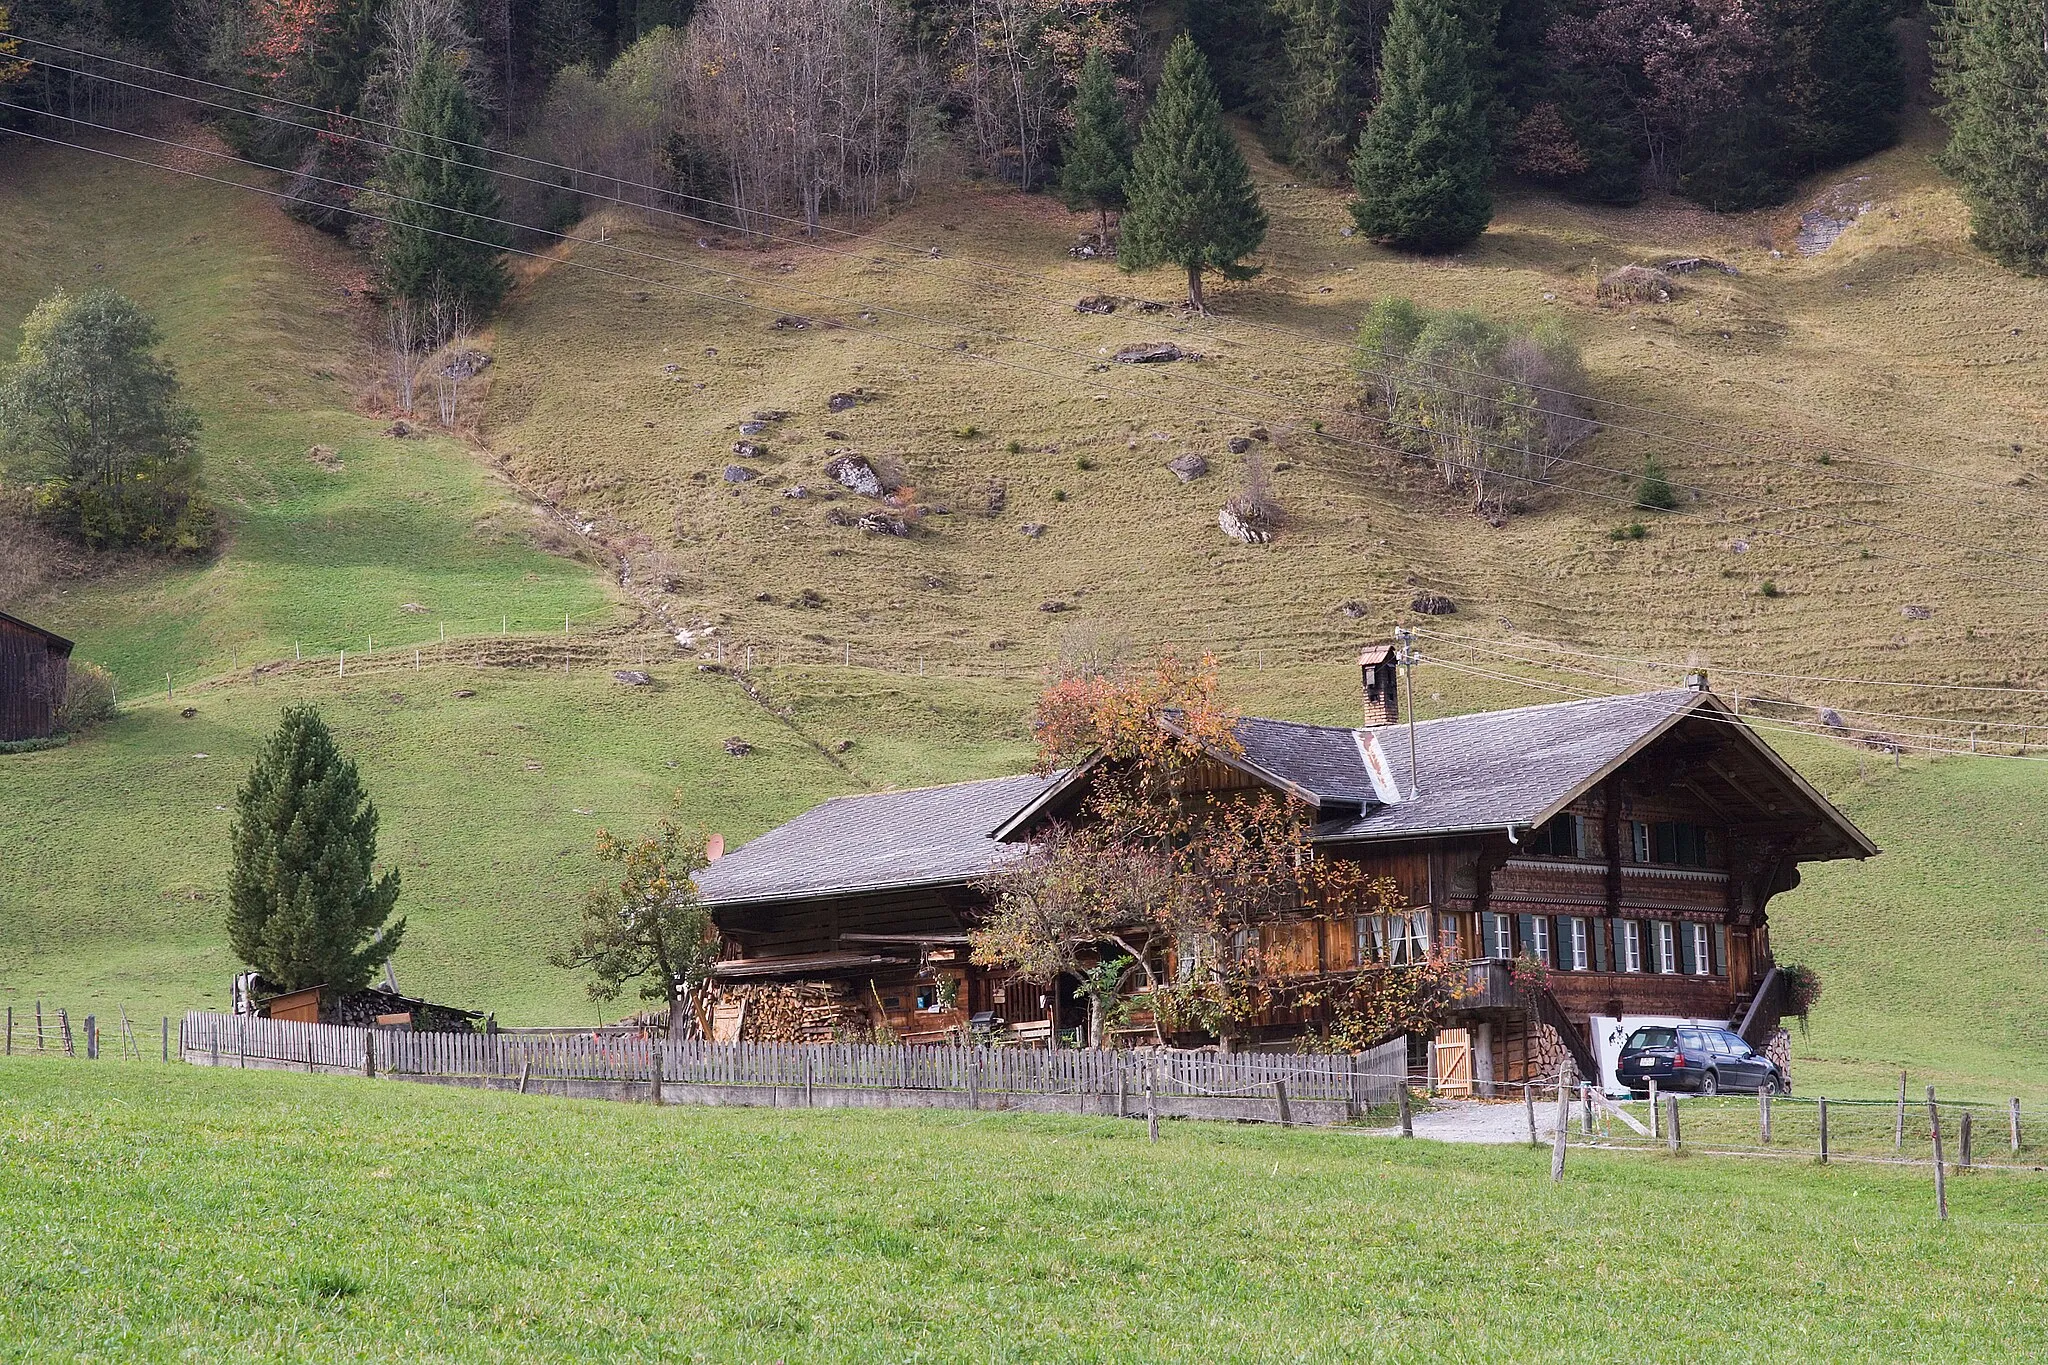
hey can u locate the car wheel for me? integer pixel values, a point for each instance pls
(1710, 1084)
(1768, 1085)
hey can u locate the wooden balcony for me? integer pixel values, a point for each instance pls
(1490, 985)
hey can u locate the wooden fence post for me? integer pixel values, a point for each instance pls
(525, 1070)
(64, 1028)
(1655, 1122)
(370, 1053)
(1963, 1142)
(656, 1092)
(1286, 1114)
(1671, 1120)
(974, 1082)
(1899, 1123)
(1940, 1178)
(1823, 1113)
(309, 1051)
(1152, 1101)
(1529, 1103)
(167, 1037)
(808, 1101)
(1586, 1100)
(1763, 1115)
(1357, 1091)
(1564, 1124)
(10, 1030)
(39, 1025)
(1407, 1111)
(92, 1038)
(2015, 1125)
(1119, 1084)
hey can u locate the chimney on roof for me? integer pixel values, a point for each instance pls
(1378, 665)
(1696, 681)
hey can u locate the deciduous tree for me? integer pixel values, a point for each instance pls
(644, 923)
(95, 418)
(1193, 203)
(305, 906)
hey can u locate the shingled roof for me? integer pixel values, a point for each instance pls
(930, 836)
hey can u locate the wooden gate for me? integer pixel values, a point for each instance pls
(1454, 1061)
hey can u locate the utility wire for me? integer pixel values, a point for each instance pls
(811, 229)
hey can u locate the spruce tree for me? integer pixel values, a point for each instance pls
(1424, 167)
(1317, 106)
(1193, 203)
(1990, 66)
(442, 254)
(303, 909)
(1098, 158)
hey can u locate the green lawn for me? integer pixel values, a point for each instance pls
(272, 353)
(151, 1213)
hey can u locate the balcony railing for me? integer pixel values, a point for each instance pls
(1490, 985)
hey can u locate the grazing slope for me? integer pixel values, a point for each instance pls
(157, 1214)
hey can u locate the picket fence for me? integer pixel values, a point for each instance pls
(1316, 1086)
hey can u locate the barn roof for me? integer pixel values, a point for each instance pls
(63, 645)
(930, 836)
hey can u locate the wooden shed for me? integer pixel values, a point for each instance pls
(35, 666)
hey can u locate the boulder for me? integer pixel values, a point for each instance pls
(632, 677)
(1259, 434)
(1237, 528)
(790, 322)
(840, 402)
(1149, 353)
(739, 473)
(1240, 444)
(738, 747)
(1433, 604)
(796, 490)
(1033, 529)
(1354, 609)
(883, 524)
(1188, 467)
(401, 429)
(749, 450)
(855, 473)
(1916, 612)
(1096, 303)
(466, 363)
(750, 427)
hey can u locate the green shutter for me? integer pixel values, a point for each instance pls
(1720, 950)
(1525, 928)
(1686, 963)
(1597, 930)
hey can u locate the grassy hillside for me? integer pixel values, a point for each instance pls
(157, 1214)
(265, 321)
(113, 888)
(622, 397)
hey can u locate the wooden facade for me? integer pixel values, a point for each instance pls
(34, 671)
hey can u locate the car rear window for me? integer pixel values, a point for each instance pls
(1650, 1037)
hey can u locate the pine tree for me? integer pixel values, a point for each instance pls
(1424, 167)
(1193, 203)
(442, 254)
(1318, 104)
(1098, 159)
(1991, 68)
(302, 908)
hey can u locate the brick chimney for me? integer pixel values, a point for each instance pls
(1382, 690)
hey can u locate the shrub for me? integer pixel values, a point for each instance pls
(968, 432)
(1059, 495)
(1492, 406)
(1084, 463)
(88, 698)
(1015, 447)
(1654, 489)
(1635, 530)
(1637, 284)
(1770, 588)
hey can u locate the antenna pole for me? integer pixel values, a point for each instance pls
(1404, 640)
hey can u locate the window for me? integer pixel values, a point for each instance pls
(1447, 933)
(1702, 957)
(1667, 947)
(1539, 936)
(1672, 843)
(1563, 836)
(1581, 955)
(1397, 940)
(1365, 944)
(1500, 937)
(1632, 946)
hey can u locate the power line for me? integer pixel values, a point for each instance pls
(811, 229)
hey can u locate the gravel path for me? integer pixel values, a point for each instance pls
(1476, 1121)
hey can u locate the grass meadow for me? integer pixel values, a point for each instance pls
(151, 1213)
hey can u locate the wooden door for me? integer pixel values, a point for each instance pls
(1454, 1061)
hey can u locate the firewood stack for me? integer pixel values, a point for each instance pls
(797, 1011)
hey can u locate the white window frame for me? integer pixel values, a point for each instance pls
(1702, 950)
(1362, 939)
(1642, 840)
(1667, 948)
(1447, 932)
(1503, 945)
(1580, 954)
(1539, 934)
(1632, 941)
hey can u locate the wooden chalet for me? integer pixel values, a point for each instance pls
(1629, 844)
(35, 670)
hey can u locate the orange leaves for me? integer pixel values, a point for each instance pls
(1160, 716)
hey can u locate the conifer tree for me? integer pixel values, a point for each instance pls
(442, 254)
(1424, 167)
(303, 909)
(1193, 203)
(1098, 158)
(1316, 110)
(1991, 68)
